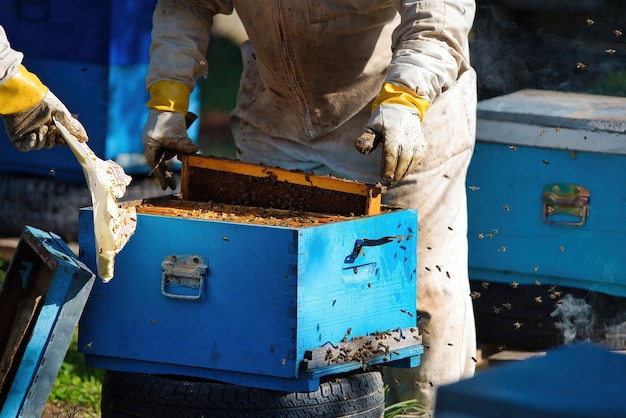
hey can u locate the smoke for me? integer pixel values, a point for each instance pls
(601, 321)
(575, 319)
(513, 48)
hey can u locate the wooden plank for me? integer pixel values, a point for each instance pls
(362, 349)
(513, 355)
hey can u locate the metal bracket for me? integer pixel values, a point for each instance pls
(565, 201)
(183, 276)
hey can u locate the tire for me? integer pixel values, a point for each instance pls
(148, 396)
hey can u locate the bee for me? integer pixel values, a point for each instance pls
(495, 231)
(448, 274)
(427, 268)
(610, 51)
(89, 345)
(485, 285)
(475, 295)
(490, 236)
(517, 325)
(506, 207)
(618, 32)
(508, 306)
(561, 248)
(514, 285)
(558, 129)
(580, 66)
(345, 337)
(502, 249)
(438, 268)
(406, 312)
(450, 228)
(496, 310)
(538, 299)
(474, 188)
(512, 147)
(535, 268)
(589, 22)
(542, 132)
(546, 162)
(225, 239)
(52, 172)
(537, 283)
(283, 362)
(474, 360)
(481, 236)
(397, 382)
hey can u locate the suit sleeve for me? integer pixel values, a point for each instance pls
(180, 38)
(430, 45)
(10, 59)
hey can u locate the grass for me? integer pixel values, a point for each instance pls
(405, 407)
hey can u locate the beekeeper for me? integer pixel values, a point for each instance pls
(27, 105)
(316, 74)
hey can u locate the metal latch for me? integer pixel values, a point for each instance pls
(565, 204)
(183, 276)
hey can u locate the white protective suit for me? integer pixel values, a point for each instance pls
(10, 59)
(311, 72)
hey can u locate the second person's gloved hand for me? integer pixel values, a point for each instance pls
(27, 109)
(396, 123)
(165, 132)
(164, 136)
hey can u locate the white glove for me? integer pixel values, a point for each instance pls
(164, 136)
(33, 128)
(399, 129)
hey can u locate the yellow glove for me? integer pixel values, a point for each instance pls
(165, 132)
(396, 119)
(27, 108)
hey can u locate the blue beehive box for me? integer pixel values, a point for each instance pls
(574, 381)
(546, 191)
(94, 57)
(245, 296)
(41, 299)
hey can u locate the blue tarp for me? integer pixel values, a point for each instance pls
(582, 380)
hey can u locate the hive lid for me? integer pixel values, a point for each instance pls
(42, 297)
(554, 119)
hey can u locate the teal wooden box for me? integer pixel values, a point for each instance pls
(267, 306)
(546, 191)
(41, 299)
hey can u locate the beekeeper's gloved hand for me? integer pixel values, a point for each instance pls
(396, 122)
(27, 108)
(165, 132)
